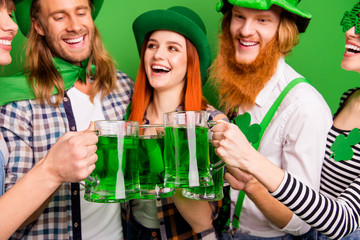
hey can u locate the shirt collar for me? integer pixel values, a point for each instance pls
(264, 94)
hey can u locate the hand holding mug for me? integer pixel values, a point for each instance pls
(73, 156)
(232, 146)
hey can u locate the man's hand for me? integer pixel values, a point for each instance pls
(232, 146)
(73, 156)
(236, 178)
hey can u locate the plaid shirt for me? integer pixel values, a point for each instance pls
(172, 225)
(30, 129)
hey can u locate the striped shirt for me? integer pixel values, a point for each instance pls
(336, 210)
(30, 129)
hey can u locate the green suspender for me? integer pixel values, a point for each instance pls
(264, 123)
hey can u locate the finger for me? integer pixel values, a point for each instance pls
(91, 126)
(91, 149)
(215, 143)
(239, 174)
(234, 183)
(219, 127)
(92, 159)
(89, 137)
(218, 135)
(66, 136)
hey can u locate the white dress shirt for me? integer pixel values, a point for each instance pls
(294, 140)
(98, 220)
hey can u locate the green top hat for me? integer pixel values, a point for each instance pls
(22, 13)
(181, 20)
(302, 17)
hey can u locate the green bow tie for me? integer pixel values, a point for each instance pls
(17, 87)
(70, 72)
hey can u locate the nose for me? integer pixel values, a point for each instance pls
(247, 28)
(160, 53)
(351, 33)
(8, 25)
(74, 24)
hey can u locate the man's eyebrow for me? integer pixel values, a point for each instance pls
(64, 10)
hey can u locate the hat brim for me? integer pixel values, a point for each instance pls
(173, 21)
(302, 17)
(22, 13)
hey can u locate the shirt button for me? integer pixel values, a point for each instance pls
(73, 128)
(154, 234)
(75, 192)
(65, 99)
(162, 223)
(76, 224)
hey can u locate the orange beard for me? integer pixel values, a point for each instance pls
(240, 83)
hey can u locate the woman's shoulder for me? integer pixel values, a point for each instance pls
(346, 97)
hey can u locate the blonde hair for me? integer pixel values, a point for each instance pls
(43, 76)
(288, 33)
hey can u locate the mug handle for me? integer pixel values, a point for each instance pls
(94, 182)
(214, 167)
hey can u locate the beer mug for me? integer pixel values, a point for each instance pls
(116, 174)
(151, 159)
(214, 192)
(187, 150)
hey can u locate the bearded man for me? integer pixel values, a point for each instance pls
(69, 81)
(288, 118)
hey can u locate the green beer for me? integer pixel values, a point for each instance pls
(187, 157)
(152, 170)
(116, 171)
(213, 193)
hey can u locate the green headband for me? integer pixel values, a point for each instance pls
(351, 19)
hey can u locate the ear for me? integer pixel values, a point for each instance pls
(38, 27)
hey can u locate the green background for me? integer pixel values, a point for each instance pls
(317, 57)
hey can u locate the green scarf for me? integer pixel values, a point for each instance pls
(17, 87)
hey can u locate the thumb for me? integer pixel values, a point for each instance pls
(91, 126)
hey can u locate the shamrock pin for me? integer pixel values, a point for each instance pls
(251, 132)
(341, 147)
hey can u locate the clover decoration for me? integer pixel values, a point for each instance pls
(341, 147)
(351, 18)
(251, 132)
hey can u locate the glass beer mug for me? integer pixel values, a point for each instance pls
(187, 150)
(151, 159)
(116, 174)
(214, 192)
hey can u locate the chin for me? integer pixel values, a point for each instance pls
(350, 67)
(5, 61)
(242, 60)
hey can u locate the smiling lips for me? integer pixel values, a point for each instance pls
(159, 69)
(5, 43)
(351, 48)
(74, 41)
(247, 43)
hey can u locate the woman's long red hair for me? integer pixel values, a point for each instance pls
(192, 98)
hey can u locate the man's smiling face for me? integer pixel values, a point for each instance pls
(68, 28)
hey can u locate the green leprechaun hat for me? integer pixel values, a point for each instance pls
(181, 20)
(22, 13)
(302, 17)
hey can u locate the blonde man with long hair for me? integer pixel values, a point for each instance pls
(282, 116)
(69, 80)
